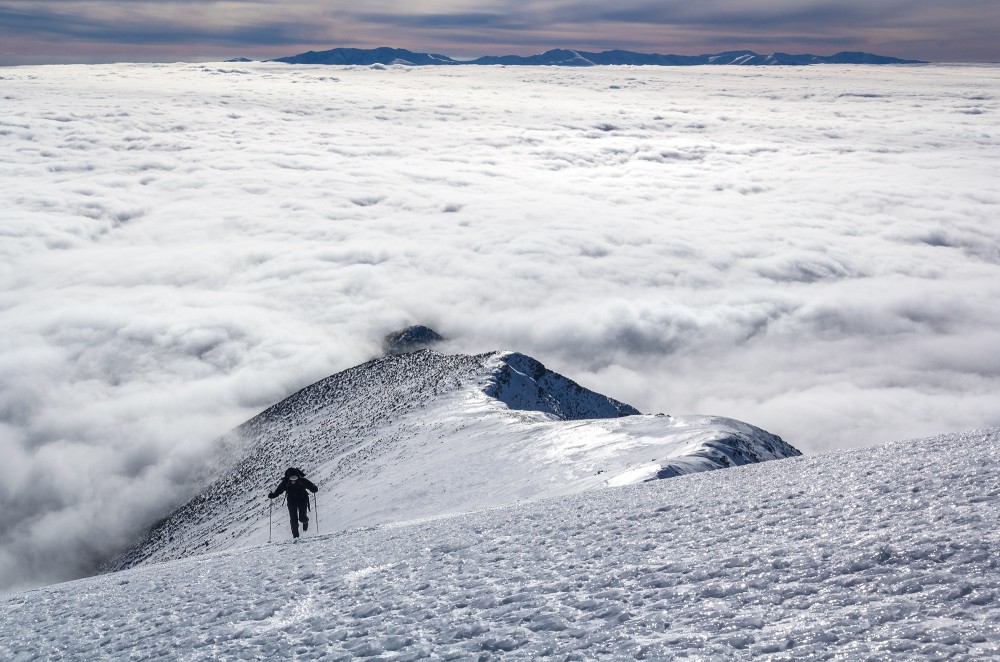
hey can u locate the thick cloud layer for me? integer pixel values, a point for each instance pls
(812, 250)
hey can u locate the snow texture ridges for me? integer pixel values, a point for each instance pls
(884, 553)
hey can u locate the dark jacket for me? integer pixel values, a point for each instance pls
(296, 489)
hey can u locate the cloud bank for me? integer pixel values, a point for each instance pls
(813, 251)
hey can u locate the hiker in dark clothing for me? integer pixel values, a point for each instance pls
(295, 484)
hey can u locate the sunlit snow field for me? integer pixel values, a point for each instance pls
(812, 250)
(884, 553)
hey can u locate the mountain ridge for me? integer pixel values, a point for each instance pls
(385, 55)
(423, 434)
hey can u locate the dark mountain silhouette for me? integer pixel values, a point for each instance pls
(383, 55)
(575, 58)
(410, 339)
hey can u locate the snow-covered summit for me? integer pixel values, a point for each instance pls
(423, 434)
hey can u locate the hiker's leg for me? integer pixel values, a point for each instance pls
(293, 519)
(304, 515)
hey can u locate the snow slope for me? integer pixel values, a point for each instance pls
(424, 434)
(885, 553)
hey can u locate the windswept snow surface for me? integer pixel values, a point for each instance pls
(425, 434)
(887, 553)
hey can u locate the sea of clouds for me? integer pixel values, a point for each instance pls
(812, 250)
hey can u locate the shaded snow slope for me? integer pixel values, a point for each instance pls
(521, 382)
(423, 434)
(885, 553)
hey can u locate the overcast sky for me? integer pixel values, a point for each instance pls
(38, 31)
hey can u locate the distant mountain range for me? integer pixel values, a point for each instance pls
(574, 58)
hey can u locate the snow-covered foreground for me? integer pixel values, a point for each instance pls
(888, 552)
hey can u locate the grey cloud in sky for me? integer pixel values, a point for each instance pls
(138, 28)
(543, 17)
(710, 13)
(494, 21)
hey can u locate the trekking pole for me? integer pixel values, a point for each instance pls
(270, 507)
(316, 511)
